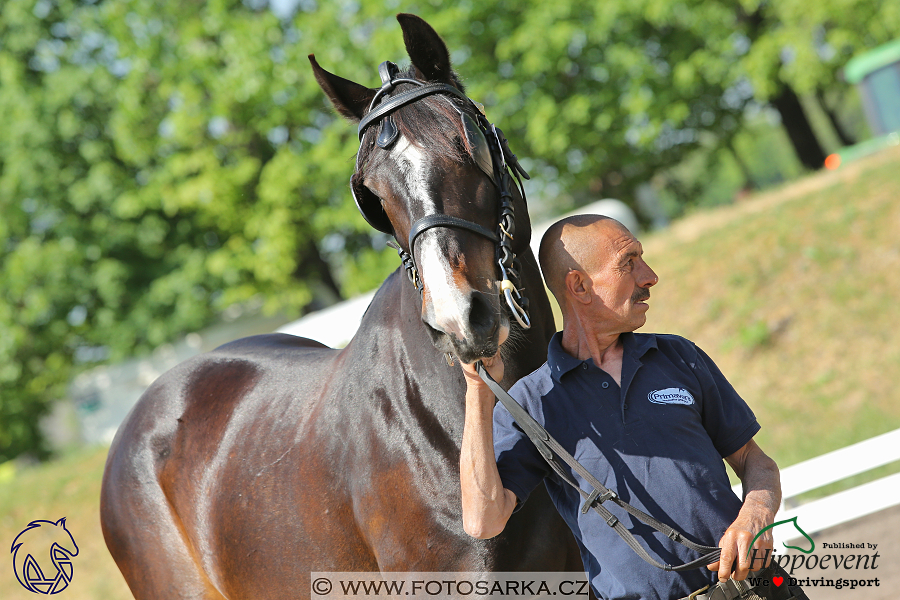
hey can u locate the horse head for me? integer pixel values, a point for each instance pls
(434, 173)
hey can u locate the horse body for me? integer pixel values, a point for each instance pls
(243, 470)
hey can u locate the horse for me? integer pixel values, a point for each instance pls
(243, 470)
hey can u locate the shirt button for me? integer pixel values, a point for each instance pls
(604, 385)
(584, 365)
(626, 406)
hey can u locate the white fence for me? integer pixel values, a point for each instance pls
(843, 506)
(334, 326)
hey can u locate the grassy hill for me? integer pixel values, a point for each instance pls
(792, 292)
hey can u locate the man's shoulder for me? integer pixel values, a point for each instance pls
(534, 385)
(667, 342)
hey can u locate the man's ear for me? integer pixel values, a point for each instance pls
(578, 286)
(574, 284)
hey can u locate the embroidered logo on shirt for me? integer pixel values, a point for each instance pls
(671, 396)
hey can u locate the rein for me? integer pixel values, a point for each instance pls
(491, 153)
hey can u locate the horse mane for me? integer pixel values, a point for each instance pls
(431, 123)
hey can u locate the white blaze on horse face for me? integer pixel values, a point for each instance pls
(449, 303)
(414, 165)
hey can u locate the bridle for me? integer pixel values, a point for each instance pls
(490, 151)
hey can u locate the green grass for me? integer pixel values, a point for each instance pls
(792, 292)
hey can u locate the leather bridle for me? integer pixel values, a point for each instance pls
(490, 151)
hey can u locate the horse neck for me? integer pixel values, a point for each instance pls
(398, 355)
(393, 324)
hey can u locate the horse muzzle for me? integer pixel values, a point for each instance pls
(471, 326)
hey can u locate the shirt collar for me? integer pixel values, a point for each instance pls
(561, 362)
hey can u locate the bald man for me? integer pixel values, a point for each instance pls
(649, 415)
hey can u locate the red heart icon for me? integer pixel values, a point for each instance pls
(777, 581)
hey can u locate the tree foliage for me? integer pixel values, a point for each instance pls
(164, 160)
(604, 95)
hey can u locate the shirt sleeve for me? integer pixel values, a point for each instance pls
(727, 418)
(520, 464)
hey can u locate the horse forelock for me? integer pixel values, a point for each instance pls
(431, 123)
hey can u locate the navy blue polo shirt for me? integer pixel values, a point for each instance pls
(658, 442)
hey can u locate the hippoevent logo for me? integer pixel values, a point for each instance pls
(845, 570)
(42, 556)
(796, 526)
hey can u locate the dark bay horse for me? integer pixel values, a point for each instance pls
(242, 470)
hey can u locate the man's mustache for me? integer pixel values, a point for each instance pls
(640, 295)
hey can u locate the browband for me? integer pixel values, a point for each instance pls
(406, 98)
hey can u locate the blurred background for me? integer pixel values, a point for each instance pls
(167, 165)
(171, 178)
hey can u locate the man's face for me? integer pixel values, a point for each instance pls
(620, 279)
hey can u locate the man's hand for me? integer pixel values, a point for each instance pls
(762, 496)
(494, 366)
(735, 545)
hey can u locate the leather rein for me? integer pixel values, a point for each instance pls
(500, 164)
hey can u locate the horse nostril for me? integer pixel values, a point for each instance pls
(482, 315)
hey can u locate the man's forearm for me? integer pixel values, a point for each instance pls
(761, 482)
(486, 504)
(762, 496)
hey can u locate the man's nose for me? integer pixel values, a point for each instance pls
(647, 277)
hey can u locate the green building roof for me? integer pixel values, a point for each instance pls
(862, 65)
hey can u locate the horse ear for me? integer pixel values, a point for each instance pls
(427, 50)
(350, 99)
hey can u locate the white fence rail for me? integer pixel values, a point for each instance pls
(831, 467)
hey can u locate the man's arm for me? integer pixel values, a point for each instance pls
(486, 504)
(762, 496)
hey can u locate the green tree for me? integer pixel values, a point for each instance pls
(607, 94)
(162, 161)
(600, 96)
(796, 48)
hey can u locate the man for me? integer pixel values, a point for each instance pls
(650, 416)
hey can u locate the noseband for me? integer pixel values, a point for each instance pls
(490, 151)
